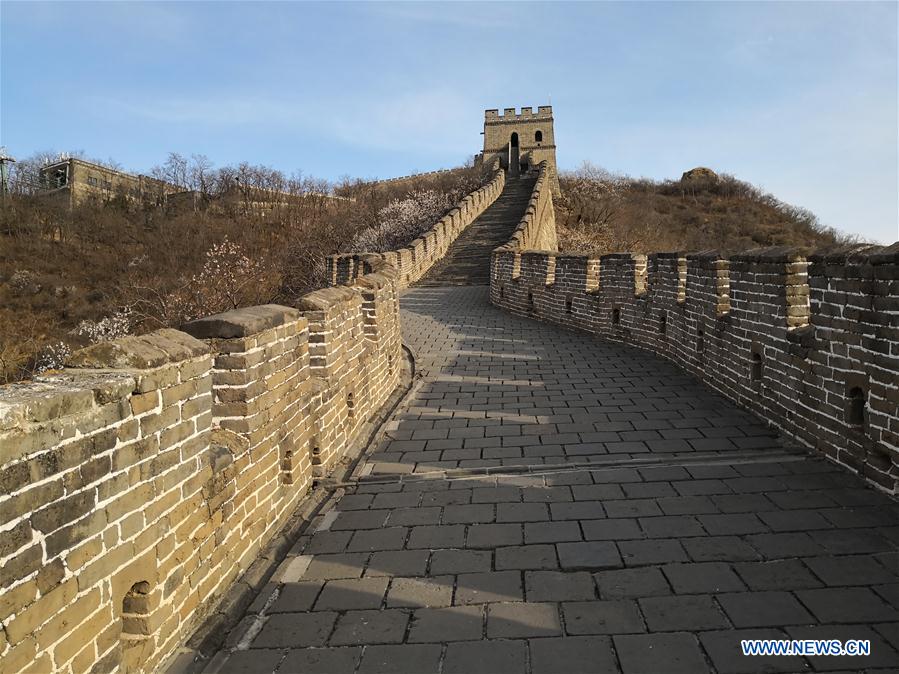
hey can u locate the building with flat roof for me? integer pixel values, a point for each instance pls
(74, 181)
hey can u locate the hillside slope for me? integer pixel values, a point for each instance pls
(106, 268)
(606, 213)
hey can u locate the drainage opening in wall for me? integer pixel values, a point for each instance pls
(136, 618)
(568, 303)
(755, 367)
(350, 405)
(663, 323)
(316, 454)
(700, 340)
(502, 291)
(856, 407)
(616, 316)
(530, 301)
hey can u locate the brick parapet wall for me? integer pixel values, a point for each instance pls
(416, 259)
(416, 176)
(138, 484)
(537, 228)
(809, 342)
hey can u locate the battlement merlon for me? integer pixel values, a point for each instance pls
(544, 112)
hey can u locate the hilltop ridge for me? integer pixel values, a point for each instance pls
(608, 213)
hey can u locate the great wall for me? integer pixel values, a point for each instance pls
(808, 341)
(269, 489)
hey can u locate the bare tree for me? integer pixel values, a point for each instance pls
(175, 170)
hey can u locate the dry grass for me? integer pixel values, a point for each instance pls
(62, 272)
(68, 277)
(606, 213)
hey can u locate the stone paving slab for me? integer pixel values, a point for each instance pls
(658, 608)
(624, 567)
(499, 390)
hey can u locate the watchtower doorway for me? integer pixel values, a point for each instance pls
(514, 166)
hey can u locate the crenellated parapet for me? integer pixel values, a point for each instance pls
(140, 483)
(544, 112)
(808, 341)
(416, 176)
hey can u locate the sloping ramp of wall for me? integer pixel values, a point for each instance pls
(537, 229)
(414, 261)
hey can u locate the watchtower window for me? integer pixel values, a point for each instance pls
(514, 141)
(538, 137)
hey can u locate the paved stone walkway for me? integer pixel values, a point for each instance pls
(634, 522)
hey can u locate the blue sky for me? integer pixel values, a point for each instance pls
(798, 98)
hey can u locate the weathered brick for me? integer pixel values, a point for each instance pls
(67, 619)
(14, 599)
(50, 575)
(73, 534)
(15, 538)
(25, 622)
(63, 512)
(81, 554)
(30, 500)
(76, 636)
(145, 402)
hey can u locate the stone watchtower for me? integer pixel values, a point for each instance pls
(521, 141)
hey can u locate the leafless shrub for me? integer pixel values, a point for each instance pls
(607, 213)
(402, 221)
(52, 356)
(107, 328)
(244, 235)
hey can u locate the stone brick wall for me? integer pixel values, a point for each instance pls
(138, 484)
(419, 256)
(498, 130)
(415, 176)
(537, 229)
(808, 341)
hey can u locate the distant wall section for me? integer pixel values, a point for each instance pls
(416, 259)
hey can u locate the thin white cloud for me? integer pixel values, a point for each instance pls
(420, 121)
(476, 15)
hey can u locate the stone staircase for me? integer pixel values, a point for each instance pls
(467, 262)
